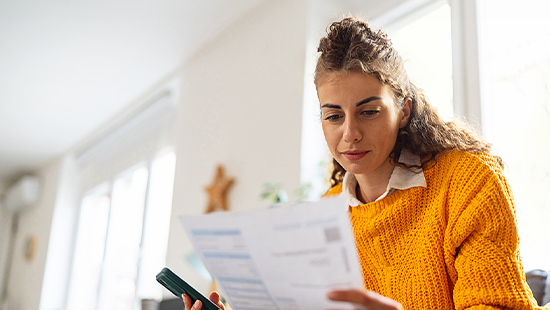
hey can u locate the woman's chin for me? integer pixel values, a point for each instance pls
(367, 167)
(356, 169)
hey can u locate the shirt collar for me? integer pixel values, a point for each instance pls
(400, 179)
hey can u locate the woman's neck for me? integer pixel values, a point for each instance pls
(372, 185)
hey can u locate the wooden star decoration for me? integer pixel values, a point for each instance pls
(217, 191)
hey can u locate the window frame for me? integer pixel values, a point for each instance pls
(465, 49)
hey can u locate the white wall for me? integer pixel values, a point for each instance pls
(241, 107)
(51, 222)
(25, 281)
(61, 237)
(5, 228)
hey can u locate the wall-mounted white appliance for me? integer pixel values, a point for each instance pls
(22, 195)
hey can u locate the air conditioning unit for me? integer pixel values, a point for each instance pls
(22, 195)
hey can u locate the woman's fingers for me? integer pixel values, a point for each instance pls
(189, 303)
(186, 301)
(215, 298)
(368, 299)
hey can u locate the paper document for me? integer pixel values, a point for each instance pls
(284, 258)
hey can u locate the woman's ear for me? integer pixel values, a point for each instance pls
(406, 109)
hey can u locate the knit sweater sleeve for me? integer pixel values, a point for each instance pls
(481, 244)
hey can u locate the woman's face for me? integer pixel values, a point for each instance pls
(360, 120)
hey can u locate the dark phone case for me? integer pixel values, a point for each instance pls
(178, 286)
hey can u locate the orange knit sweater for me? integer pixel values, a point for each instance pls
(451, 245)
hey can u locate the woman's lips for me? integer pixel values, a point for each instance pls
(354, 155)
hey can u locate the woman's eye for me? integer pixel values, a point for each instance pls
(370, 112)
(332, 117)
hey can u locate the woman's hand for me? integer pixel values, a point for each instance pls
(214, 297)
(364, 299)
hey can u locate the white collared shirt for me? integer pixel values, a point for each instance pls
(400, 179)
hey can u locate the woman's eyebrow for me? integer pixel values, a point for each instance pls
(330, 105)
(367, 100)
(364, 101)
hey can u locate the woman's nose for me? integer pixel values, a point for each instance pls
(352, 133)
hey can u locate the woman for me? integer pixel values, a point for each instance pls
(432, 214)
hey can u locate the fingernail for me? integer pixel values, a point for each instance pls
(331, 295)
(197, 304)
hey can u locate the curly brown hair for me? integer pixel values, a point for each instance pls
(352, 45)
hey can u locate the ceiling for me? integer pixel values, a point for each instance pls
(68, 67)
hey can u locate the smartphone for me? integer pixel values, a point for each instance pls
(178, 286)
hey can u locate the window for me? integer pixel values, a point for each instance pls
(92, 226)
(429, 67)
(119, 266)
(515, 58)
(122, 237)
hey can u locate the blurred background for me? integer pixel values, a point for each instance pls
(115, 114)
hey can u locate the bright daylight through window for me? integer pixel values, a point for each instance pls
(429, 67)
(122, 238)
(515, 45)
